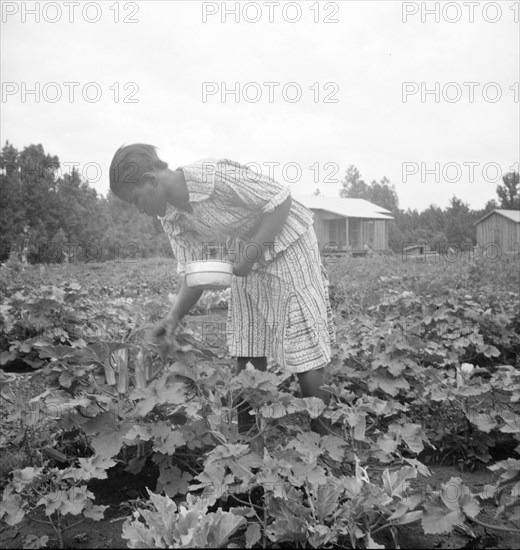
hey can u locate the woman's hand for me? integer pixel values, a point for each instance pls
(242, 268)
(161, 335)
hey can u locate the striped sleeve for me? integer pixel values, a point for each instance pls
(184, 247)
(254, 191)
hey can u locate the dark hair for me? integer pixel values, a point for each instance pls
(130, 163)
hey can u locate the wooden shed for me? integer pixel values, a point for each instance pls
(348, 225)
(500, 228)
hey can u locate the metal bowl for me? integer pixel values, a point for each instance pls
(209, 274)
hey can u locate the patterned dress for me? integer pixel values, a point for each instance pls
(281, 309)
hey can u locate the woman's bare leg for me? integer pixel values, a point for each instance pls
(310, 383)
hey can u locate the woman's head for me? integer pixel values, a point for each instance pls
(140, 177)
(130, 165)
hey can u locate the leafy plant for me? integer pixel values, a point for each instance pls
(60, 493)
(423, 368)
(189, 525)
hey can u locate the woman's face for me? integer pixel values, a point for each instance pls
(147, 198)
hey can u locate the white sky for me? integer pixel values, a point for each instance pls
(170, 53)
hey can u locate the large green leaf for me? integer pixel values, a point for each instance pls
(172, 481)
(438, 520)
(11, 509)
(223, 526)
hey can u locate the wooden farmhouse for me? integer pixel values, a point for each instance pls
(348, 225)
(500, 228)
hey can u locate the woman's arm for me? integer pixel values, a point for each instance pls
(264, 236)
(186, 298)
(272, 224)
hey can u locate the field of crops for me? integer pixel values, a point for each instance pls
(104, 445)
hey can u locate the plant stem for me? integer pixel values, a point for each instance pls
(494, 527)
(186, 465)
(73, 524)
(40, 521)
(246, 503)
(119, 519)
(391, 525)
(59, 530)
(264, 534)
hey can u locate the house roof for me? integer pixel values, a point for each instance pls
(348, 208)
(513, 215)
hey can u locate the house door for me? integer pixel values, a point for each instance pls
(338, 233)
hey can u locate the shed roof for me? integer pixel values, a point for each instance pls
(348, 208)
(513, 215)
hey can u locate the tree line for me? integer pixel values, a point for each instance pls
(55, 217)
(63, 218)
